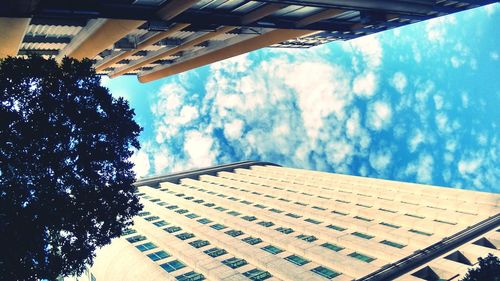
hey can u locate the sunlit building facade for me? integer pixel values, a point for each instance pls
(157, 38)
(259, 221)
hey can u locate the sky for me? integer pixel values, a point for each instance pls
(418, 104)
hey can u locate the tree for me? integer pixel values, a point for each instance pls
(488, 270)
(65, 170)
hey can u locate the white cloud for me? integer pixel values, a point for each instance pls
(141, 163)
(465, 100)
(494, 56)
(234, 129)
(436, 28)
(422, 169)
(199, 148)
(469, 166)
(399, 81)
(438, 101)
(456, 62)
(380, 160)
(365, 84)
(161, 161)
(415, 140)
(379, 115)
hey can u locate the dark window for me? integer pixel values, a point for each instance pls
(192, 216)
(297, 260)
(129, 231)
(160, 223)
(390, 225)
(158, 255)
(313, 221)
(152, 218)
(266, 223)
(272, 249)
(332, 247)
(199, 243)
(190, 276)
(182, 211)
(257, 274)
(392, 244)
(335, 227)
(276, 211)
(146, 246)
(362, 235)
(185, 236)
(172, 266)
(252, 240)
(204, 221)
(215, 252)
(249, 218)
(172, 229)
(325, 272)
(172, 207)
(234, 233)
(285, 230)
(235, 262)
(143, 214)
(136, 238)
(295, 216)
(307, 238)
(218, 226)
(361, 257)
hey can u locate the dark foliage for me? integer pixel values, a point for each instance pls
(488, 270)
(65, 174)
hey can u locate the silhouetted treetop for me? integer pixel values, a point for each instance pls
(65, 170)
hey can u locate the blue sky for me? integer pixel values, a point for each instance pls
(417, 104)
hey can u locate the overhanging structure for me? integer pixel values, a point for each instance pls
(157, 38)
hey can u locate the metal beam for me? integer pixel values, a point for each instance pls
(254, 43)
(326, 14)
(11, 35)
(108, 61)
(167, 12)
(168, 52)
(258, 13)
(97, 36)
(45, 39)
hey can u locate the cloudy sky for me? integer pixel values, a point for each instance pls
(418, 104)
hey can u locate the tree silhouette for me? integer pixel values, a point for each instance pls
(488, 270)
(65, 174)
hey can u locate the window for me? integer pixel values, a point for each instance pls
(313, 221)
(215, 252)
(222, 195)
(446, 222)
(173, 207)
(172, 229)
(234, 213)
(257, 274)
(420, 232)
(415, 216)
(199, 243)
(233, 198)
(221, 209)
(234, 233)
(363, 218)
(192, 216)
(136, 238)
(297, 260)
(199, 201)
(362, 235)
(260, 206)
(332, 247)
(387, 210)
(204, 221)
(252, 240)
(246, 202)
(146, 246)
(334, 227)
(283, 199)
(190, 276)
(285, 230)
(152, 218)
(185, 235)
(266, 223)
(361, 257)
(160, 223)
(162, 203)
(129, 231)
(180, 194)
(339, 213)
(154, 200)
(325, 272)
(390, 225)
(158, 255)
(210, 205)
(182, 211)
(172, 265)
(392, 244)
(272, 249)
(295, 216)
(249, 218)
(189, 197)
(276, 211)
(318, 208)
(307, 238)
(234, 262)
(218, 226)
(342, 201)
(143, 214)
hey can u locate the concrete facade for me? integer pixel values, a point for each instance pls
(157, 38)
(259, 221)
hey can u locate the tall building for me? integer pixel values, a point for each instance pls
(260, 221)
(157, 38)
